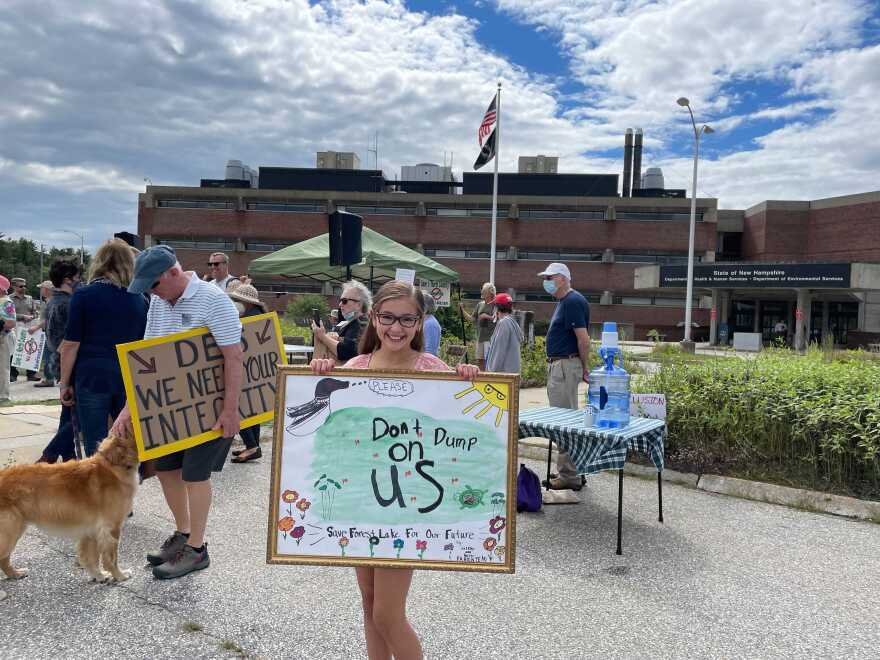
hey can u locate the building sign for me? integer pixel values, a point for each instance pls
(758, 276)
(175, 384)
(397, 469)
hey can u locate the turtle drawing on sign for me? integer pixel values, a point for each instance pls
(491, 395)
(470, 498)
(307, 417)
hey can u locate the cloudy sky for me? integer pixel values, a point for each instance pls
(99, 94)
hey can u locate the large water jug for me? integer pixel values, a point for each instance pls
(608, 394)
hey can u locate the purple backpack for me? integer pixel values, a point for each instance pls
(528, 490)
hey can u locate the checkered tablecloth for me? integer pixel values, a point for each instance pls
(593, 449)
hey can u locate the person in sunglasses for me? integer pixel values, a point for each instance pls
(394, 339)
(354, 308)
(220, 276)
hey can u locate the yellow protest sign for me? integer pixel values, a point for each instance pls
(175, 384)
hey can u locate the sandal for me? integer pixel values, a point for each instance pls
(244, 458)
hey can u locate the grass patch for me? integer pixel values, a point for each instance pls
(232, 647)
(41, 402)
(191, 626)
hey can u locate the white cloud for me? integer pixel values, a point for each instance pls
(94, 101)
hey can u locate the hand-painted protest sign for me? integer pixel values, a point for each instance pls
(439, 291)
(402, 469)
(648, 405)
(28, 348)
(175, 384)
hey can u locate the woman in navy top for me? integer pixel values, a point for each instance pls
(102, 315)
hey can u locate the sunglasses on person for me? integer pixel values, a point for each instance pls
(344, 301)
(216, 264)
(406, 321)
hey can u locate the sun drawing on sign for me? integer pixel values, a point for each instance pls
(492, 395)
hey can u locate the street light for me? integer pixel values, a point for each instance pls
(686, 344)
(82, 248)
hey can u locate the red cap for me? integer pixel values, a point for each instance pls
(502, 299)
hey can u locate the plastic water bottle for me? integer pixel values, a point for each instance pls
(608, 394)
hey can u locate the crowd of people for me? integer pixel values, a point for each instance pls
(128, 296)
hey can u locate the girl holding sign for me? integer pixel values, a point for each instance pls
(394, 339)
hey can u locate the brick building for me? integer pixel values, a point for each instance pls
(604, 240)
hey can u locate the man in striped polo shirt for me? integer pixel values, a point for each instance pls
(182, 301)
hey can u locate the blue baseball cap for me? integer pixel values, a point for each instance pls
(149, 266)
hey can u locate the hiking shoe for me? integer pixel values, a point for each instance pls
(187, 560)
(559, 483)
(169, 549)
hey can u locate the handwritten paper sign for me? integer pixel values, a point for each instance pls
(648, 405)
(403, 469)
(439, 291)
(175, 384)
(27, 349)
(405, 275)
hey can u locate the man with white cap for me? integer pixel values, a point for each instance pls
(182, 301)
(568, 350)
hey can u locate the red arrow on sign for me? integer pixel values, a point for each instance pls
(148, 367)
(263, 337)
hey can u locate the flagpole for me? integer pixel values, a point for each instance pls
(495, 185)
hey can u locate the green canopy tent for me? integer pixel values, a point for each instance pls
(381, 258)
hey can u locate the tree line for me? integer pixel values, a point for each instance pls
(20, 257)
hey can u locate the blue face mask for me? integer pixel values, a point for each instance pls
(348, 316)
(550, 286)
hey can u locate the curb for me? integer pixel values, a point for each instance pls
(758, 491)
(811, 500)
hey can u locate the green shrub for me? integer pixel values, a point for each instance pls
(299, 310)
(802, 420)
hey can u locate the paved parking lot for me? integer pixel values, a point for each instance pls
(721, 578)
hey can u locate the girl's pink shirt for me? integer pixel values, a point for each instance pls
(425, 362)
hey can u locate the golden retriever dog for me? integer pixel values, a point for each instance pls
(86, 500)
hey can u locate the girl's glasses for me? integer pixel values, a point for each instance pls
(406, 321)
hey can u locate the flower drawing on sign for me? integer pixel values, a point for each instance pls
(374, 541)
(327, 486)
(496, 525)
(491, 395)
(449, 548)
(303, 506)
(398, 545)
(343, 542)
(298, 533)
(470, 498)
(500, 552)
(489, 543)
(421, 546)
(285, 525)
(289, 496)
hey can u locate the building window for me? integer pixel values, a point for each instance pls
(657, 216)
(653, 257)
(379, 210)
(463, 253)
(562, 214)
(196, 204)
(287, 207)
(218, 244)
(286, 287)
(633, 300)
(547, 254)
(265, 246)
(466, 213)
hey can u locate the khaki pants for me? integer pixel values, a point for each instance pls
(563, 378)
(5, 357)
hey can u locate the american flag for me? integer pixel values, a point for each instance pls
(488, 121)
